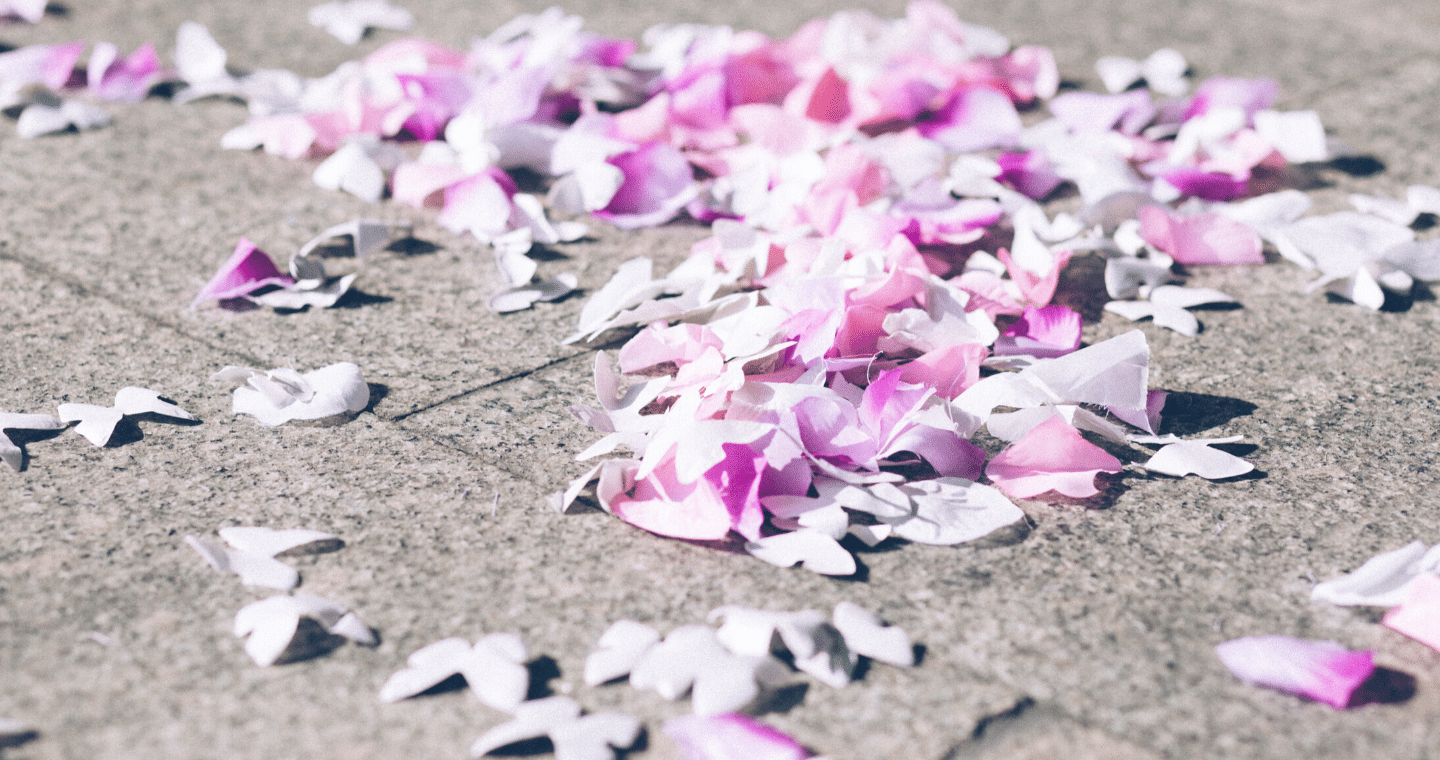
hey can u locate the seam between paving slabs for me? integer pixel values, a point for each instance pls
(45, 272)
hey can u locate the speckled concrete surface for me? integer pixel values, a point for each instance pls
(1092, 634)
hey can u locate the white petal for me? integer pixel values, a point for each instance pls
(592, 736)
(271, 625)
(133, 400)
(952, 510)
(1131, 310)
(1110, 373)
(532, 720)
(866, 636)
(270, 542)
(619, 649)
(97, 423)
(732, 684)
(1297, 135)
(1361, 288)
(197, 55)
(813, 549)
(352, 627)
(1118, 72)
(1383, 581)
(1177, 319)
(670, 667)
(1185, 298)
(496, 679)
(870, 535)
(1197, 458)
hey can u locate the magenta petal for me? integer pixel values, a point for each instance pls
(1419, 616)
(1320, 670)
(1051, 457)
(1210, 186)
(1030, 173)
(129, 81)
(976, 118)
(1047, 332)
(658, 183)
(731, 736)
(248, 269)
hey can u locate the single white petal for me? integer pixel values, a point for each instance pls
(1185, 298)
(1197, 458)
(619, 649)
(814, 550)
(953, 510)
(1114, 372)
(591, 736)
(1177, 319)
(532, 720)
(1361, 288)
(97, 423)
(271, 625)
(1297, 135)
(865, 635)
(496, 672)
(671, 667)
(197, 55)
(131, 401)
(1117, 73)
(1383, 581)
(1131, 310)
(271, 542)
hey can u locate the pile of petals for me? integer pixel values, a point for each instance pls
(273, 627)
(49, 93)
(734, 668)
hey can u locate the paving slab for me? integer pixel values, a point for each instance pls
(1092, 634)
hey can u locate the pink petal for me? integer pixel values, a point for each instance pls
(1030, 72)
(127, 81)
(761, 75)
(1051, 457)
(479, 204)
(1036, 288)
(50, 65)
(1250, 95)
(1210, 186)
(1046, 332)
(731, 736)
(1200, 239)
(948, 369)
(824, 99)
(1419, 616)
(658, 344)
(420, 184)
(248, 269)
(976, 118)
(1320, 670)
(658, 183)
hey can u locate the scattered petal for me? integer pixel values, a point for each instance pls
(254, 569)
(97, 423)
(731, 737)
(1383, 581)
(282, 395)
(865, 635)
(619, 649)
(494, 668)
(1320, 670)
(271, 624)
(1419, 615)
(1198, 458)
(272, 543)
(347, 21)
(9, 452)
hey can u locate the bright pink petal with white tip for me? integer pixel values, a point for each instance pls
(731, 736)
(1320, 670)
(1052, 457)
(248, 269)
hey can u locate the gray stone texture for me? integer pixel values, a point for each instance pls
(1091, 637)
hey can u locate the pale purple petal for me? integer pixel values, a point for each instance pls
(976, 118)
(1046, 332)
(658, 184)
(1320, 670)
